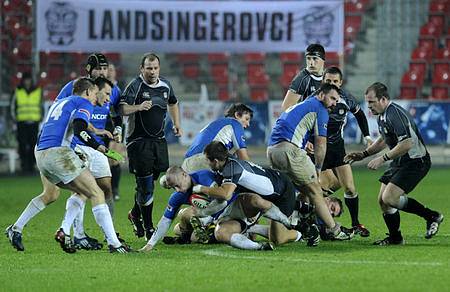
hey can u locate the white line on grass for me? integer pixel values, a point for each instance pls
(217, 253)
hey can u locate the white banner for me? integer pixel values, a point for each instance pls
(188, 26)
(195, 117)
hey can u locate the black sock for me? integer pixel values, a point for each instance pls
(115, 178)
(414, 207)
(353, 208)
(136, 211)
(393, 224)
(147, 216)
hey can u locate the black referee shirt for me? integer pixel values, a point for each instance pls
(396, 125)
(305, 84)
(150, 123)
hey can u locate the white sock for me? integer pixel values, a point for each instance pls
(241, 241)
(73, 208)
(259, 229)
(299, 236)
(78, 223)
(103, 218)
(34, 207)
(274, 213)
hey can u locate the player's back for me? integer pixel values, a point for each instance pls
(226, 130)
(56, 130)
(298, 120)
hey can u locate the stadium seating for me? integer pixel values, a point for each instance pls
(259, 94)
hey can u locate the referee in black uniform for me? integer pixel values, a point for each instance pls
(410, 163)
(307, 81)
(146, 100)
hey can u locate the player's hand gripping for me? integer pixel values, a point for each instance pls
(146, 248)
(353, 156)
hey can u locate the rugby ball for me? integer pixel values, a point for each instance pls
(199, 200)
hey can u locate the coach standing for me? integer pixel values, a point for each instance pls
(410, 163)
(146, 100)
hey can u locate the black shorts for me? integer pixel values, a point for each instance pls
(334, 156)
(285, 201)
(148, 157)
(407, 175)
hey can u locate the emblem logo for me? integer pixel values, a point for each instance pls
(61, 18)
(318, 25)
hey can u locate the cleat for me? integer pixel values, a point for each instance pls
(389, 241)
(361, 230)
(149, 233)
(65, 241)
(87, 243)
(266, 246)
(343, 234)
(433, 226)
(15, 238)
(170, 240)
(121, 249)
(200, 232)
(137, 225)
(313, 236)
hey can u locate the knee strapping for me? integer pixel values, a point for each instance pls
(145, 187)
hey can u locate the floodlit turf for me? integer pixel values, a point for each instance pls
(420, 265)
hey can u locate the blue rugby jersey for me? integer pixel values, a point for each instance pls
(297, 122)
(177, 199)
(226, 130)
(100, 115)
(57, 129)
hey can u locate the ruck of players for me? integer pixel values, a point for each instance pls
(218, 195)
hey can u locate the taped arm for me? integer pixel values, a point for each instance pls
(80, 129)
(161, 230)
(362, 122)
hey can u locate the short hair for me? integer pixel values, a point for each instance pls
(81, 85)
(379, 89)
(216, 150)
(316, 50)
(238, 108)
(102, 81)
(173, 171)
(339, 201)
(333, 70)
(151, 57)
(326, 88)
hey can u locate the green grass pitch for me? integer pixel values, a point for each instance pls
(420, 265)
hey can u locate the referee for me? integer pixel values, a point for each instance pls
(146, 101)
(410, 163)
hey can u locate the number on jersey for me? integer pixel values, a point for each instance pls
(56, 110)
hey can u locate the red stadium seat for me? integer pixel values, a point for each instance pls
(352, 26)
(442, 54)
(219, 73)
(408, 92)
(418, 66)
(218, 57)
(440, 92)
(432, 30)
(422, 54)
(441, 77)
(223, 94)
(254, 57)
(113, 57)
(427, 43)
(256, 74)
(354, 7)
(259, 94)
(439, 7)
(187, 58)
(55, 72)
(191, 71)
(291, 57)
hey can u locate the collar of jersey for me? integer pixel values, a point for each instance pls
(145, 82)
